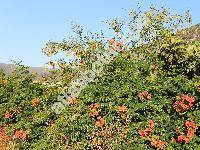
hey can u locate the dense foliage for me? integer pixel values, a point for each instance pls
(147, 97)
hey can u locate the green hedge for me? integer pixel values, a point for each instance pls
(148, 97)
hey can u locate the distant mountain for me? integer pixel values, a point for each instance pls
(8, 68)
(191, 33)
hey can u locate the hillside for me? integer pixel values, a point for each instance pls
(8, 68)
(192, 33)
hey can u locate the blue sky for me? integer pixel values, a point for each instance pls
(25, 26)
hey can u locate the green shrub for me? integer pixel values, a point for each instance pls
(146, 98)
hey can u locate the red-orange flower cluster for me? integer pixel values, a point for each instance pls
(4, 137)
(182, 138)
(184, 103)
(191, 124)
(122, 109)
(8, 115)
(4, 140)
(94, 113)
(35, 102)
(157, 143)
(95, 106)
(21, 134)
(191, 129)
(93, 109)
(100, 121)
(115, 45)
(147, 131)
(144, 95)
